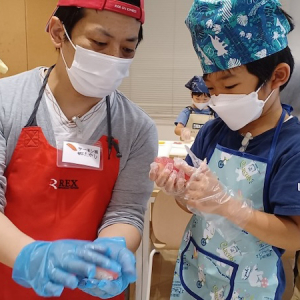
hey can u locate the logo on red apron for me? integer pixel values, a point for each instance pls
(64, 184)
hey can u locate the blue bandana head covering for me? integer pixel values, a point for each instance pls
(230, 33)
(197, 85)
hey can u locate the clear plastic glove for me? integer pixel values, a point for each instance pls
(48, 267)
(206, 194)
(115, 249)
(185, 134)
(171, 175)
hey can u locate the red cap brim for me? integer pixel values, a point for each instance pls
(110, 5)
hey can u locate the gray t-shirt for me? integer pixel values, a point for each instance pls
(133, 128)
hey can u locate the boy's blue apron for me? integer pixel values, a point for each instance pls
(211, 267)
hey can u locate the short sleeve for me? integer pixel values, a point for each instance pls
(133, 186)
(197, 147)
(183, 117)
(206, 140)
(284, 190)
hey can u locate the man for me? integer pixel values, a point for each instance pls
(75, 156)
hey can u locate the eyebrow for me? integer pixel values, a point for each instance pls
(131, 39)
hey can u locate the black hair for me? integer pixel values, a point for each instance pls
(264, 68)
(71, 15)
(199, 94)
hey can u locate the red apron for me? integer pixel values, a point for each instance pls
(49, 203)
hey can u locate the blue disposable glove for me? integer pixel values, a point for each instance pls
(48, 267)
(115, 249)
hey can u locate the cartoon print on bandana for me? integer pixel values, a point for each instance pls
(231, 33)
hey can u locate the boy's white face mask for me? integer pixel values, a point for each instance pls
(238, 110)
(200, 106)
(94, 74)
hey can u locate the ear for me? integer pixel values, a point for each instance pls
(56, 31)
(280, 76)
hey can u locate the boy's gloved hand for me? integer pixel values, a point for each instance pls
(206, 194)
(115, 249)
(48, 267)
(185, 134)
(171, 177)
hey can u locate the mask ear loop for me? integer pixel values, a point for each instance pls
(62, 54)
(265, 101)
(68, 37)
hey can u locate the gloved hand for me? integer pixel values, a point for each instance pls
(171, 178)
(185, 134)
(206, 194)
(115, 249)
(48, 267)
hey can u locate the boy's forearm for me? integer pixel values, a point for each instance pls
(281, 232)
(177, 131)
(12, 241)
(179, 202)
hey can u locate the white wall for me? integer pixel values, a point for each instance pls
(293, 8)
(166, 132)
(164, 63)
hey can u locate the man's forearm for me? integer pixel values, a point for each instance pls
(12, 241)
(129, 232)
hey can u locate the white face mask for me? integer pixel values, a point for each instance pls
(94, 74)
(238, 110)
(201, 106)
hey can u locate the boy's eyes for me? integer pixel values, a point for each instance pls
(230, 87)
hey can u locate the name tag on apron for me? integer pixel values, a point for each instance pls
(79, 155)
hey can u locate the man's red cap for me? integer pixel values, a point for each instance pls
(117, 6)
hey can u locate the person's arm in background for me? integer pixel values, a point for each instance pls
(178, 129)
(125, 214)
(181, 121)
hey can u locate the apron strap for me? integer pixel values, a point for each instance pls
(32, 120)
(110, 139)
(191, 110)
(270, 161)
